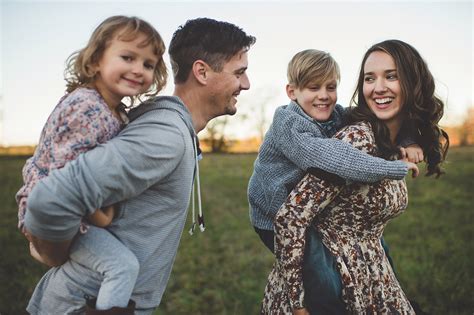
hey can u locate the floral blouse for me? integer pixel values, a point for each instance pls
(79, 122)
(350, 219)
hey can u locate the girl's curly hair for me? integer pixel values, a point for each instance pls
(80, 71)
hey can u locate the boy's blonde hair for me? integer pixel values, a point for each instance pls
(80, 65)
(312, 66)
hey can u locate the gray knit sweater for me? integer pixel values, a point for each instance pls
(150, 165)
(294, 143)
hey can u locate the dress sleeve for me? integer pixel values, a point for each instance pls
(304, 203)
(80, 127)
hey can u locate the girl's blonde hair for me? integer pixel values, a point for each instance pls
(80, 65)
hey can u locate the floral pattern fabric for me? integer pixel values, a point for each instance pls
(79, 122)
(351, 220)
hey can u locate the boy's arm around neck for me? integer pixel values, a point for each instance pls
(302, 142)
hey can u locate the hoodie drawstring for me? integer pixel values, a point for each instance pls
(197, 185)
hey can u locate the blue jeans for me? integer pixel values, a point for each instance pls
(321, 278)
(102, 252)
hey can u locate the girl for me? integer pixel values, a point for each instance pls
(123, 58)
(350, 219)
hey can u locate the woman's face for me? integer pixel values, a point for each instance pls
(381, 88)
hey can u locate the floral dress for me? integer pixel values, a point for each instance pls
(79, 122)
(351, 220)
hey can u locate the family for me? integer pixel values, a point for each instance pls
(106, 193)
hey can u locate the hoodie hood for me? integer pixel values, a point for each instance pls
(164, 102)
(174, 103)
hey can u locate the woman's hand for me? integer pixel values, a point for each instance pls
(102, 217)
(413, 153)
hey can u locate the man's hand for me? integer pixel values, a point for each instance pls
(102, 217)
(35, 255)
(49, 253)
(300, 311)
(413, 153)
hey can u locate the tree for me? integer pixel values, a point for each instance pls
(252, 107)
(466, 130)
(215, 134)
(263, 102)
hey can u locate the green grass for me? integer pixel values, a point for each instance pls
(224, 269)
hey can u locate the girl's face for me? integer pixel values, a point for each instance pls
(125, 69)
(381, 88)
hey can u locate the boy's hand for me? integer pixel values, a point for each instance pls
(413, 153)
(300, 311)
(413, 168)
(102, 217)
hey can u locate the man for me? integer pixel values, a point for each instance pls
(150, 164)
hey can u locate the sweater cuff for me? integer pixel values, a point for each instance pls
(398, 170)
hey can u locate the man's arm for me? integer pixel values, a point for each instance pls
(122, 168)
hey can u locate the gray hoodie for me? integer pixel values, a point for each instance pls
(149, 169)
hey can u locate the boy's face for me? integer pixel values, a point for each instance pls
(317, 100)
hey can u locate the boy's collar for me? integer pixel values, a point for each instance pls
(297, 108)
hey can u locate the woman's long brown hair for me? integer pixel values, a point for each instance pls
(422, 109)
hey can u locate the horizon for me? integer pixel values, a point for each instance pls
(37, 37)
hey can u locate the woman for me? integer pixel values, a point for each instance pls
(395, 90)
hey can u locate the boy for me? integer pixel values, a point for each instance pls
(299, 140)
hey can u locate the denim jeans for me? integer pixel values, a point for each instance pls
(321, 278)
(102, 252)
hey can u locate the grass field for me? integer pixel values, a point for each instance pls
(224, 269)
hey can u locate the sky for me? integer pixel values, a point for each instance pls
(36, 37)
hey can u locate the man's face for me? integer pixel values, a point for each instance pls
(227, 84)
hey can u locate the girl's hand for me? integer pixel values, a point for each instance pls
(300, 311)
(413, 153)
(102, 217)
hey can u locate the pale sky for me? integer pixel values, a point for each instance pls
(36, 37)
